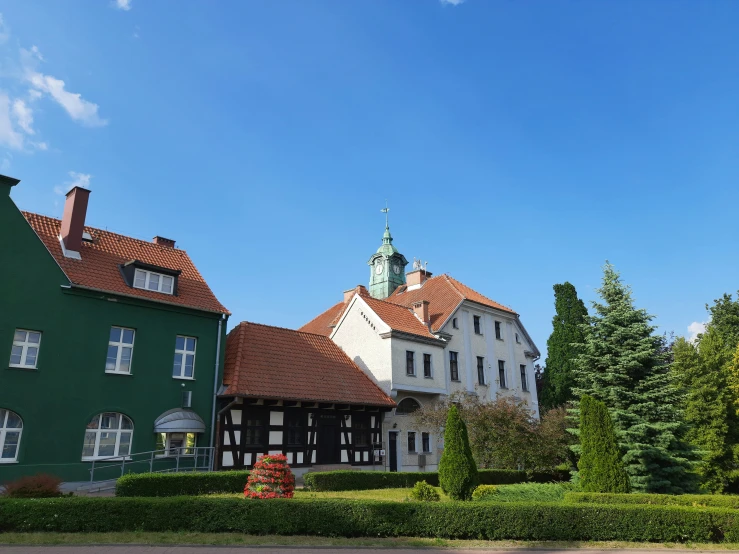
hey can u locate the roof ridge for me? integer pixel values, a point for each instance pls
(453, 280)
(449, 280)
(283, 328)
(318, 316)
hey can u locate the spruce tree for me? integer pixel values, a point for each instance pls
(601, 469)
(458, 475)
(559, 375)
(623, 363)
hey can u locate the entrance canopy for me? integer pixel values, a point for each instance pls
(179, 420)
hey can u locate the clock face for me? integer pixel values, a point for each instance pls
(378, 267)
(396, 269)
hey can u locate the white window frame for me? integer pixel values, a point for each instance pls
(4, 430)
(147, 276)
(167, 450)
(25, 345)
(120, 345)
(118, 432)
(184, 353)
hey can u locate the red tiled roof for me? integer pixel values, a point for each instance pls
(323, 323)
(272, 362)
(444, 294)
(398, 317)
(98, 268)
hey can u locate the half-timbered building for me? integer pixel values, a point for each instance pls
(296, 393)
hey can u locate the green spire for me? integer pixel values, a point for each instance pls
(387, 265)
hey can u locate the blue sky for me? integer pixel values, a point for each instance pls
(519, 144)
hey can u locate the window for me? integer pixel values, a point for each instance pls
(498, 334)
(120, 350)
(425, 442)
(501, 374)
(184, 357)
(107, 435)
(11, 427)
(295, 428)
(254, 430)
(481, 370)
(454, 323)
(411, 441)
(149, 280)
(524, 380)
(174, 444)
(518, 339)
(25, 349)
(476, 323)
(410, 363)
(454, 365)
(407, 406)
(360, 430)
(427, 366)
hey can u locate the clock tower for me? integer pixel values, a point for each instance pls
(387, 267)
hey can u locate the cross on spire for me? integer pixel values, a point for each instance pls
(385, 210)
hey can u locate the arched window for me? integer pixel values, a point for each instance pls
(11, 427)
(407, 406)
(108, 434)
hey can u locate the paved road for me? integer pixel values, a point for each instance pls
(293, 550)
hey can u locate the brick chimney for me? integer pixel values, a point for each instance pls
(416, 278)
(422, 311)
(73, 221)
(161, 241)
(361, 290)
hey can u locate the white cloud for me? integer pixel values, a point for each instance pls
(40, 145)
(78, 109)
(34, 94)
(23, 115)
(4, 32)
(78, 180)
(123, 4)
(5, 163)
(9, 136)
(451, 2)
(696, 328)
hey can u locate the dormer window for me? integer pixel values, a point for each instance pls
(150, 280)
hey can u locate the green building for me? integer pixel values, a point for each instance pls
(110, 347)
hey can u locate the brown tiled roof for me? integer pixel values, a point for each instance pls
(444, 294)
(323, 323)
(272, 362)
(98, 268)
(398, 317)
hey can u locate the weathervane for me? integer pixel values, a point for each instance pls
(385, 210)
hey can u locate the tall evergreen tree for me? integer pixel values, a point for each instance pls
(725, 319)
(623, 363)
(458, 475)
(601, 469)
(559, 375)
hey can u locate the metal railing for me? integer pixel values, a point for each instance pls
(171, 460)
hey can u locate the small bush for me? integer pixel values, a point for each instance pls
(181, 484)
(457, 469)
(484, 492)
(424, 492)
(34, 486)
(531, 492)
(270, 478)
(694, 500)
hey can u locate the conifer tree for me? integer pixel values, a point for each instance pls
(623, 363)
(559, 375)
(458, 475)
(601, 469)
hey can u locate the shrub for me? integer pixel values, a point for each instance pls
(694, 500)
(352, 518)
(424, 492)
(601, 469)
(530, 492)
(270, 477)
(484, 492)
(34, 486)
(181, 484)
(457, 469)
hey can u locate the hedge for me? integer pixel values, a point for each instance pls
(181, 484)
(352, 518)
(364, 480)
(695, 500)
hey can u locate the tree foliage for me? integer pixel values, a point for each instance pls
(559, 374)
(624, 364)
(601, 469)
(457, 468)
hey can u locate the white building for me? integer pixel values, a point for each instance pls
(431, 336)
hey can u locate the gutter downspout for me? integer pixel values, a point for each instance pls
(215, 393)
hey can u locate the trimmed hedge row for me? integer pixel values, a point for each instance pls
(181, 484)
(364, 480)
(348, 518)
(695, 500)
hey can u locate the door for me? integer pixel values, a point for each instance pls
(328, 446)
(392, 451)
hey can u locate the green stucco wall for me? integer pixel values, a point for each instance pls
(70, 386)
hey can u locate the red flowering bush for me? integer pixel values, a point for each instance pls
(270, 477)
(34, 486)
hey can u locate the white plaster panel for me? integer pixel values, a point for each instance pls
(289, 457)
(276, 418)
(275, 437)
(400, 378)
(275, 452)
(228, 459)
(313, 457)
(247, 459)
(365, 456)
(236, 417)
(300, 457)
(357, 456)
